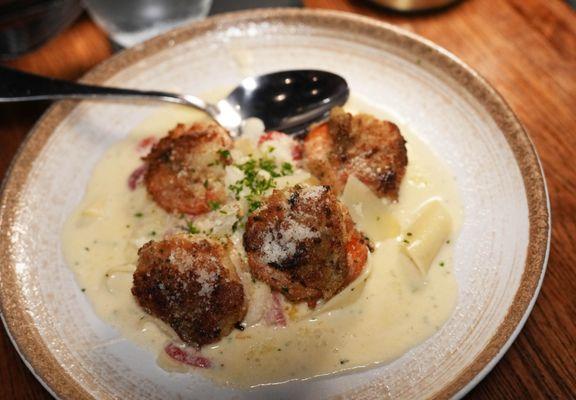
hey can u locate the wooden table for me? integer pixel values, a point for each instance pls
(527, 50)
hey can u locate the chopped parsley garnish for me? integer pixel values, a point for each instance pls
(224, 153)
(253, 205)
(287, 169)
(224, 156)
(206, 183)
(441, 263)
(214, 205)
(258, 178)
(138, 215)
(191, 228)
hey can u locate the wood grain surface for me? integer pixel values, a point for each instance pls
(527, 51)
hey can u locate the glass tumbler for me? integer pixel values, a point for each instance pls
(129, 22)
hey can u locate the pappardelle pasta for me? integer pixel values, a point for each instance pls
(428, 234)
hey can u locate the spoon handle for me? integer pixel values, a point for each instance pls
(21, 86)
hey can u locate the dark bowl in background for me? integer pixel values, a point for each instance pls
(28, 24)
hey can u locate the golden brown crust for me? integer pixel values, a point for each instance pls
(185, 170)
(190, 283)
(299, 244)
(372, 150)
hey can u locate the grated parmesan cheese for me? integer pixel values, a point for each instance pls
(206, 279)
(186, 260)
(281, 245)
(182, 259)
(313, 193)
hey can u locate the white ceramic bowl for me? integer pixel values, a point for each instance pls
(500, 255)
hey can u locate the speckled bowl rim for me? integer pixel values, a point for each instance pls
(20, 325)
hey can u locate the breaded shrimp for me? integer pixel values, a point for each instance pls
(302, 242)
(190, 283)
(372, 150)
(185, 170)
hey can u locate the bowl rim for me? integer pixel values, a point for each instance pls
(20, 326)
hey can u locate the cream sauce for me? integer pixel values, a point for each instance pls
(394, 307)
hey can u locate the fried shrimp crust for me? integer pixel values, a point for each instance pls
(371, 149)
(303, 243)
(190, 283)
(185, 170)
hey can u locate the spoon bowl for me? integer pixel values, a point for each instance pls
(287, 101)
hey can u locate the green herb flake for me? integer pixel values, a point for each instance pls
(344, 361)
(441, 263)
(214, 205)
(287, 169)
(83, 290)
(409, 234)
(224, 153)
(253, 205)
(138, 215)
(191, 228)
(206, 183)
(153, 233)
(257, 183)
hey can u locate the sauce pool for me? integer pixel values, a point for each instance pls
(392, 308)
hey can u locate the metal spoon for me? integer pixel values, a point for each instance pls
(287, 101)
